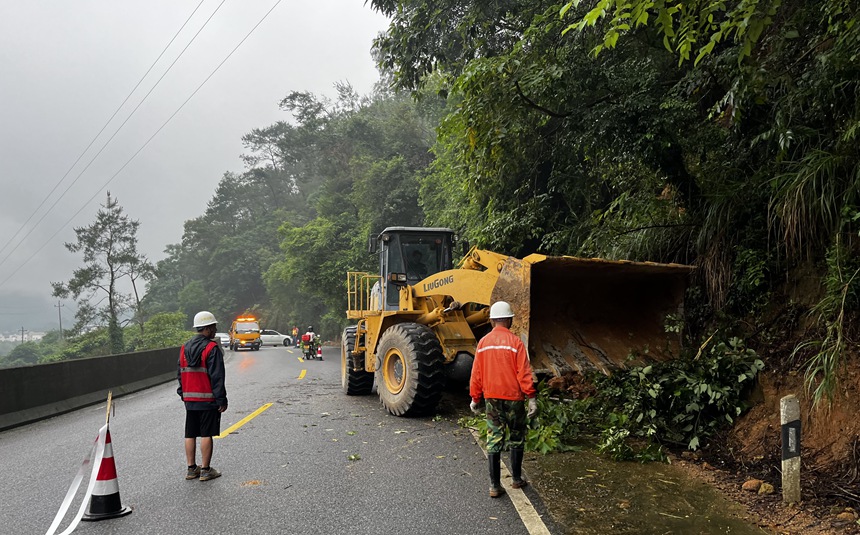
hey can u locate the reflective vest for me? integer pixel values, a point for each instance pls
(195, 381)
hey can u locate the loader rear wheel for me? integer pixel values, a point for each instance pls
(354, 383)
(409, 375)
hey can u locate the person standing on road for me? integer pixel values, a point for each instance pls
(502, 375)
(202, 389)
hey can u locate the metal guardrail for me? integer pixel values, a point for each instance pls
(31, 393)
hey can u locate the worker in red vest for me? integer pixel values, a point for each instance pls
(201, 387)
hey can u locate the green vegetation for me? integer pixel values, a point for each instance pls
(681, 402)
(842, 295)
(717, 134)
(161, 330)
(557, 426)
(636, 412)
(721, 134)
(692, 27)
(278, 239)
(6, 347)
(109, 247)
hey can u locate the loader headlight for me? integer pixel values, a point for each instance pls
(397, 278)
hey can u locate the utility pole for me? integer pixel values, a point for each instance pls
(22, 335)
(60, 314)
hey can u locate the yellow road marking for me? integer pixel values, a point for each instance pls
(244, 420)
(302, 375)
(300, 359)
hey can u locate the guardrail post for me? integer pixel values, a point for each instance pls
(789, 411)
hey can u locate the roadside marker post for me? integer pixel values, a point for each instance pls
(789, 412)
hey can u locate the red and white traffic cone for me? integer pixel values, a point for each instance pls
(105, 502)
(319, 352)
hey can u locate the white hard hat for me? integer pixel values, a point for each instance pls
(501, 310)
(204, 319)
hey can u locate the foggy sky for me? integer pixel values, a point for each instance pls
(65, 67)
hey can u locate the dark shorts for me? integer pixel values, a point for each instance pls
(202, 423)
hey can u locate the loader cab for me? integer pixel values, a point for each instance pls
(416, 252)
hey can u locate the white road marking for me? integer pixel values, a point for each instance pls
(528, 514)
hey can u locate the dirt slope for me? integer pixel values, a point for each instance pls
(830, 456)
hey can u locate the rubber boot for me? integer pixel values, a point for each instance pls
(496, 489)
(517, 469)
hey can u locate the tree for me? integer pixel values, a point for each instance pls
(139, 269)
(23, 354)
(445, 35)
(369, 157)
(168, 280)
(164, 330)
(717, 133)
(279, 237)
(687, 28)
(109, 247)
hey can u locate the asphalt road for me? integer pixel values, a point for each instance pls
(315, 461)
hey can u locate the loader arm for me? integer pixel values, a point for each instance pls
(472, 282)
(572, 313)
(462, 285)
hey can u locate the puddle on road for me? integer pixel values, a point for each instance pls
(589, 494)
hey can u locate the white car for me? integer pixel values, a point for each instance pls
(269, 337)
(225, 339)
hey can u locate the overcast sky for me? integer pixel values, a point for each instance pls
(67, 65)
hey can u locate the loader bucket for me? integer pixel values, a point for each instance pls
(579, 314)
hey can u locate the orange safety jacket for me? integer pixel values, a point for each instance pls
(501, 369)
(196, 385)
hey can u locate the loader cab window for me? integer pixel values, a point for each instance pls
(416, 268)
(424, 256)
(417, 255)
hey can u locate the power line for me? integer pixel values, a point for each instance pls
(133, 156)
(93, 141)
(110, 139)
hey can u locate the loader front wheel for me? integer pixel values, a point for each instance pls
(354, 383)
(409, 375)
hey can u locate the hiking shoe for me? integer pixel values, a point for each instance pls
(211, 473)
(193, 473)
(519, 483)
(496, 491)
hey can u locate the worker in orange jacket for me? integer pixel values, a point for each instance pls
(502, 375)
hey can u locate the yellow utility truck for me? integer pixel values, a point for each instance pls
(245, 333)
(419, 319)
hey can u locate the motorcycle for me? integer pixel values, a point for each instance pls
(311, 347)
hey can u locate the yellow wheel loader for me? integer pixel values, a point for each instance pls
(418, 321)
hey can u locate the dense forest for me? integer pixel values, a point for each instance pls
(718, 134)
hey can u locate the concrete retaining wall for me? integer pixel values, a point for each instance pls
(33, 393)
